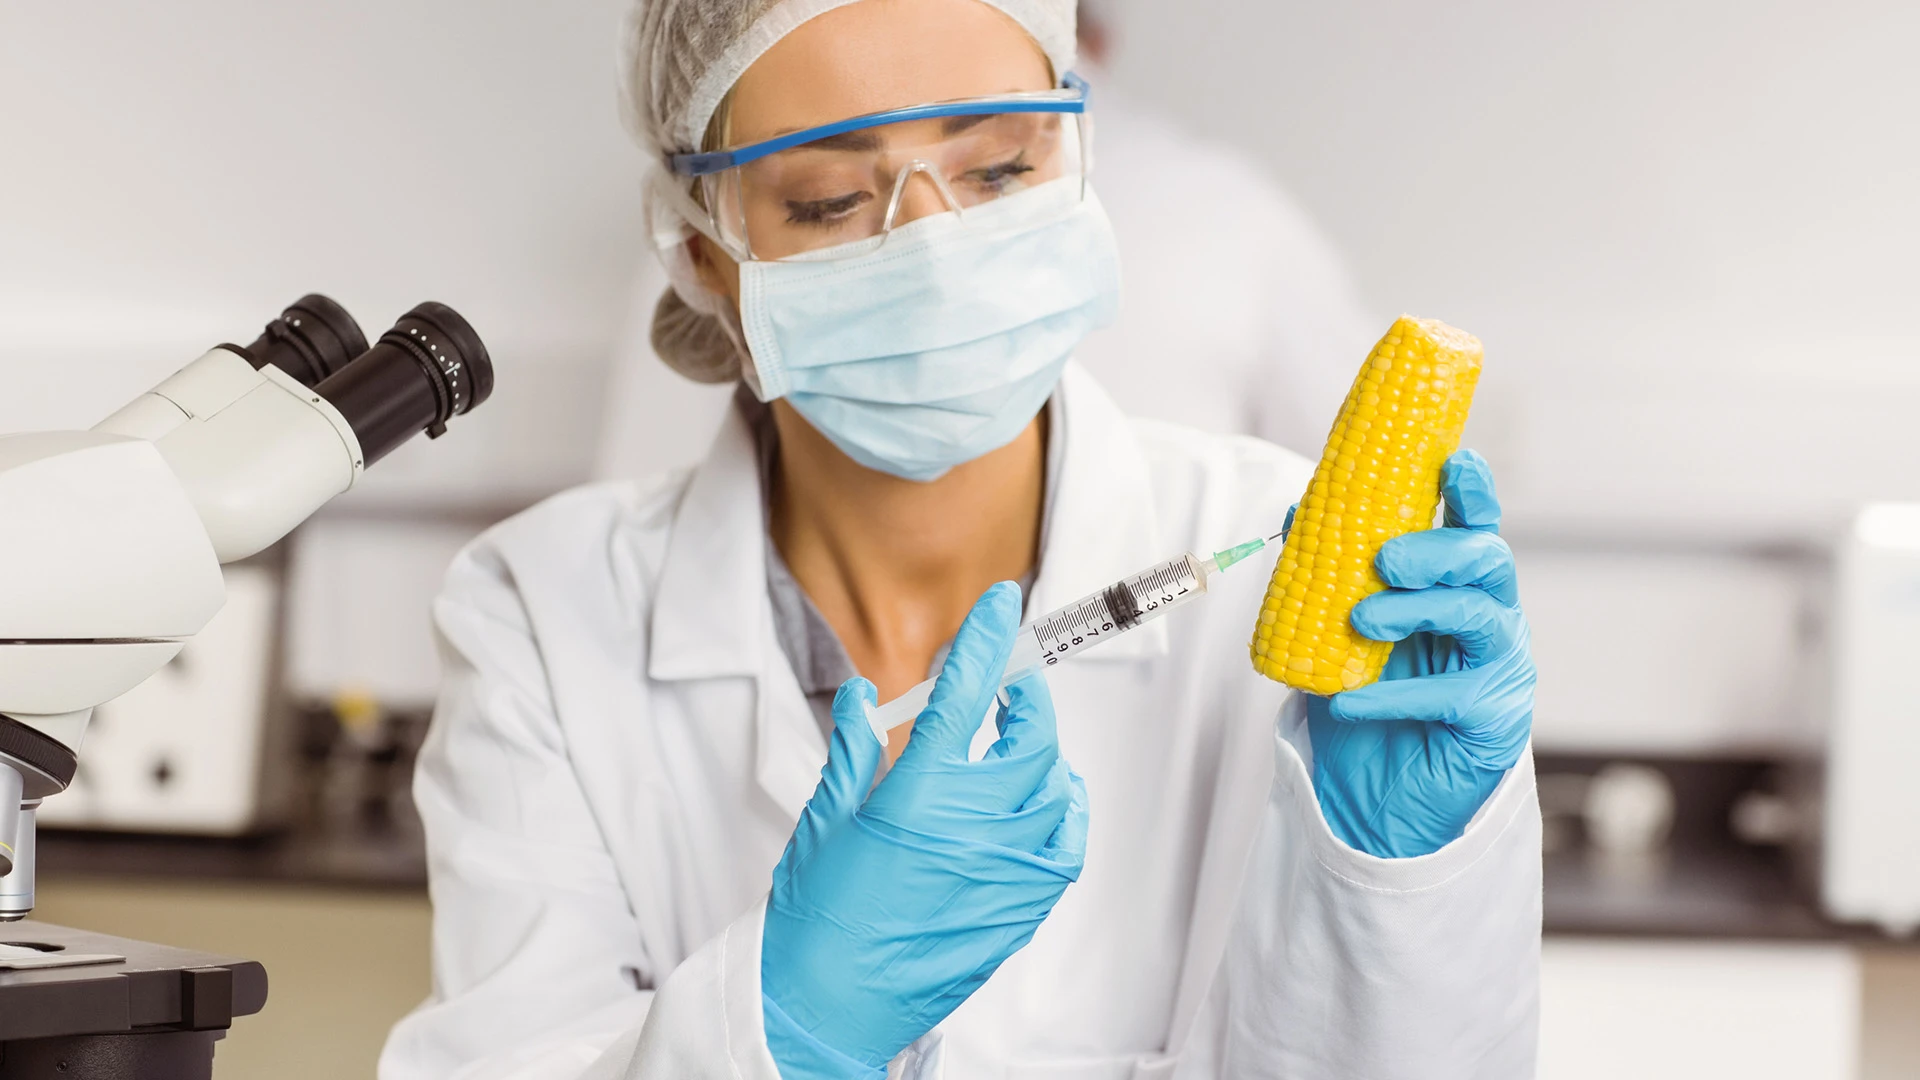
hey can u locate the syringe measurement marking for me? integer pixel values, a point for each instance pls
(1094, 618)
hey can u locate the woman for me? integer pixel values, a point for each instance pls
(877, 220)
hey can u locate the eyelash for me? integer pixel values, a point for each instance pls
(824, 212)
(1006, 170)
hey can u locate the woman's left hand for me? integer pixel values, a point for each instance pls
(1401, 767)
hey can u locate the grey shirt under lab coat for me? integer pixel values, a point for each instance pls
(819, 660)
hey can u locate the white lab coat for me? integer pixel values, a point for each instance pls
(621, 751)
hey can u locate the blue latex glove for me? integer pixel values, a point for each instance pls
(889, 909)
(1400, 767)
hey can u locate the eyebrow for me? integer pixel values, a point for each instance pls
(847, 140)
(866, 141)
(954, 125)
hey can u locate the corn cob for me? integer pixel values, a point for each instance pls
(1379, 478)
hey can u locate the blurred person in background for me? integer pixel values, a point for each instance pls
(878, 224)
(1240, 316)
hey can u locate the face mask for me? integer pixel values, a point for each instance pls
(942, 344)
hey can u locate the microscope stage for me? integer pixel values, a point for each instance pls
(35, 957)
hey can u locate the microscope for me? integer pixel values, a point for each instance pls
(111, 542)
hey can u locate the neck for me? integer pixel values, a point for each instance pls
(894, 565)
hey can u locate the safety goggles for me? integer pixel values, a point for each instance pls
(841, 186)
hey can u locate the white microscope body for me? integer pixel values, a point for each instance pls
(111, 540)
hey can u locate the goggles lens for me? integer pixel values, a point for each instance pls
(857, 186)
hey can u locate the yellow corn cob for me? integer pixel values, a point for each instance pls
(1379, 478)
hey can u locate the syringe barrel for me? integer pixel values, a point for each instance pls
(1026, 654)
(1074, 628)
(1126, 604)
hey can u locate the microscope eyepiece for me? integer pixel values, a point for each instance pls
(311, 340)
(429, 368)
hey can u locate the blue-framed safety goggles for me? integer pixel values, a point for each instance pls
(847, 184)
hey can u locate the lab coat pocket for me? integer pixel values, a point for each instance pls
(1129, 1067)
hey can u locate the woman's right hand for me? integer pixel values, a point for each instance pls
(889, 909)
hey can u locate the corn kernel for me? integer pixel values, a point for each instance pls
(1379, 478)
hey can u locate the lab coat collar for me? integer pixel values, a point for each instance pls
(711, 614)
(712, 618)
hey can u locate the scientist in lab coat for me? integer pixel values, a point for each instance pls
(655, 841)
(1260, 323)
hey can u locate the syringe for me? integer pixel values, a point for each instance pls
(1098, 617)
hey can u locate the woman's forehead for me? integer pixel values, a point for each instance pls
(876, 55)
(914, 134)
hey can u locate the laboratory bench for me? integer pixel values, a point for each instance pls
(1645, 951)
(384, 859)
(1704, 894)
(1701, 882)
(1640, 957)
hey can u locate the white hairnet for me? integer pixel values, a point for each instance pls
(679, 59)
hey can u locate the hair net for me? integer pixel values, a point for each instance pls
(679, 59)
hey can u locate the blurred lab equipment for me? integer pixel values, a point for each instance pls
(1683, 941)
(1094, 619)
(200, 748)
(1628, 809)
(374, 639)
(115, 561)
(359, 754)
(1628, 812)
(1748, 623)
(1871, 859)
(1662, 846)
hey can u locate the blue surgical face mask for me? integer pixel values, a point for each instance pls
(942, 344)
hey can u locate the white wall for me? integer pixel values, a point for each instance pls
(1685, 228)
(176, 173)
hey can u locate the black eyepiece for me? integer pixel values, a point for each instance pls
(429, 368)
(311, 340)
